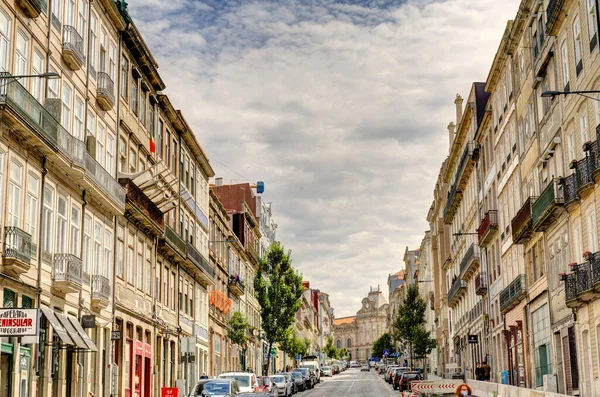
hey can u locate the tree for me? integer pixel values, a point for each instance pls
(384, 342)
(237, 328)
(409, 326)
(278, 290)
(291, 344)
(344, 353)
(329, 348)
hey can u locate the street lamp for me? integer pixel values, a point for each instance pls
(7, 76)
(552, 94)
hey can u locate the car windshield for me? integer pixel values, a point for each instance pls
(217, 387)
(243, 380)
(278, 379)
(325, 368)
(304, 371)
(411, 376)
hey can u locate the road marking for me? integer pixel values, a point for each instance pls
(351, 386)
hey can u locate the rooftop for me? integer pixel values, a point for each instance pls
(344, 320)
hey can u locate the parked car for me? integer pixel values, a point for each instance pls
(284, 388)
(396, 376)
(299, 381)
(381, 368)
(407, 377)
(265, 384)
(326, 371)
(365, 367)
(216, 388)
(388, 372)
(309, 379)
(246, 380)
(290, 379)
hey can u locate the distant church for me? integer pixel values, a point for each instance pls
(358, 333)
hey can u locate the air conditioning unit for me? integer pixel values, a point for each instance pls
(90, 145)
(550, 384)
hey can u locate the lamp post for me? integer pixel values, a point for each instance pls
(552, 94)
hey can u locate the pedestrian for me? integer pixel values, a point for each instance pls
(204, 376)
(486, 371)
(463, 390)
(479, 372)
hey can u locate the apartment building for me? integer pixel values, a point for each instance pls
(425, 282)
(105, 225)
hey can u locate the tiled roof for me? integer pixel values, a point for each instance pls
(344, 320)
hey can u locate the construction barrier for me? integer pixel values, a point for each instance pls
(425, 387)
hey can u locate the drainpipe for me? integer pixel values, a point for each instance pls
(79, 359)
(112, 317)
(48, 52)
(41, 348)
(118, 100)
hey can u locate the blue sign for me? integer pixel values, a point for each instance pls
(298, 357)
(386, 353)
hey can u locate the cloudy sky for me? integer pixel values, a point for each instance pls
(340, 106)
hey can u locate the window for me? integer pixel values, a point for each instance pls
(91, 124)
(103, 49)
(167, 149)
(166, 286)
(120, 252)
(132, 160)
(100, 137)
(172, 295)
(174, 154)
(583, 125)
(541, 343)
(564, 52)
(47, 219)
(148, 271)
(61, 226)
(56, 14)
(577, 45)
(70, 12)
(140, 266)
(124, 77)
(134, 95)
(592, 23)
(143, 108)
(32, 206)
(151, 121)
(122, 154)
(110, 153)
(14, 194)
(112, 62)
(130, 257)
(108, 255)
(53, 86)
(592, 245)
(571, 147)
(75, 230)
(159, 140)
(93, 45)
(5, 35)
(67, 104)
(97, 266)
(22, 54)
(82, 21)
(78, 121)
(37, 68)
(87, 244)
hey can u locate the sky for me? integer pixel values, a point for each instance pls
(340, 106)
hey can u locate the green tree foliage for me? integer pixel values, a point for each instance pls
(278, 290)
(344, 353)
(409, 327)
(237, 328)
(384, 342)
(304, 347)
(291, 345)
(330, 349)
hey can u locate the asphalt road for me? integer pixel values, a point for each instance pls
(352, 383)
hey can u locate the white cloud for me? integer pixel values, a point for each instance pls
(340, 107)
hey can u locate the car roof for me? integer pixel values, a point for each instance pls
(237, 373)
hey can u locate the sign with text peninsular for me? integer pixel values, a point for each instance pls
(18, 322)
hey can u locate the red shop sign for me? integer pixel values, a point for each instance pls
(169, 392)
(139, 348)
(147, 350)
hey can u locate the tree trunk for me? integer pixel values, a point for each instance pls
(411, 357)
(269, 358)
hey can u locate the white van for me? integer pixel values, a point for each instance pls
(246, 380)
(315, 366)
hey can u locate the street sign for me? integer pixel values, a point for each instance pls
(169, 392)
(386, 353)
(473, 339)
(115, 335)
(298, 357)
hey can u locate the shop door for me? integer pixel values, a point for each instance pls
(6, 360)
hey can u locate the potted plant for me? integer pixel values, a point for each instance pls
(563, 276)
(573, 266)
(573, 164)
(587, 146)
(586, 255)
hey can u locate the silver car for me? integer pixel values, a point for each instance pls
(284, 386)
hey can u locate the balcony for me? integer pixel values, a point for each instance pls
(470, 262)
(463, 171)
(570, 190)
(454, 198)
(457, 291)
(172, 245)
(33, 8)
(481, 283)
(522, 222)
(72, 52)
(36, 125)
(583, 284)
(583, 174)
(513, 294)
(101, 291)
(202, 267)
(141, 210)
(488, 227)
(17, 251)
(236, 286)
(67, 277)
(105, 93)
(476, 312)
(548, 206)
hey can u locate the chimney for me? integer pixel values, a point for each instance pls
(451, 127)
(219, 181)
(459, 108)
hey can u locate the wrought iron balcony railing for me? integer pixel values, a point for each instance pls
(458, 287)
(174, 240)
(101, 289)
(513, 294)
(33, 8)
(487, 227)
(570, 189)
(68, 268)
(547, 204)
(17, 244)
(522, 222)
(73, 48)
(471, 257)
(583, 284)
(198, 259)
(105, 93)
(481, 283)
(236, 285)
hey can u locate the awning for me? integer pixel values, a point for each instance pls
(56, 325)
(91, 345)
(72, 333)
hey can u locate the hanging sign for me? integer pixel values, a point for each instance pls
(18, 322)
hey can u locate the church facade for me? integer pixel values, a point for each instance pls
(358, 333)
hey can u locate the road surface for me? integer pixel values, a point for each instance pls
(352, 383)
